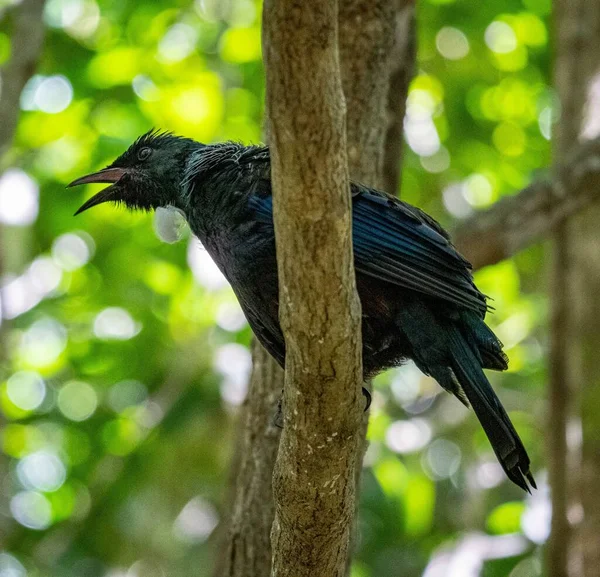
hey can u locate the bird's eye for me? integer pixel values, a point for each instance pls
(144, 153)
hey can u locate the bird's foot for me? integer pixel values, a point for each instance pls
(368, 397)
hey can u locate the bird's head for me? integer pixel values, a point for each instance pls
(146, 176)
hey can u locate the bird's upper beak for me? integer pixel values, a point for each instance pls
(107, 175)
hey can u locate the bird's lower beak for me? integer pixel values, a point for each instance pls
(108, 175)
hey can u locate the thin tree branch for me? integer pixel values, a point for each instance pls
(319, 308)
(516, 222)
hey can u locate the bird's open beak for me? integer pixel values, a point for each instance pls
(108, 175)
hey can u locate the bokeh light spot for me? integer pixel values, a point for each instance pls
(204, 269)
(51, 94)
(509, 138)
(442, 459)
(115, 323)
(77, 400)
(63, 13)
(455, 200)
(234, 362)
(70, 251)
(437, 162)
(32, 510)
(452, 43)
(43, 342)
(196, 521)
(178, 43)
(126, 394)
(145, 88)
(26, 390)
(408, 436)
(10, 567)
(478, 191)
(19, 195)
(537, 517)
(230, 317)
(500, 37)
(42, 471)
(241, 45)
(44, 275)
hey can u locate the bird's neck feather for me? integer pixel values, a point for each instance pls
(211, 198)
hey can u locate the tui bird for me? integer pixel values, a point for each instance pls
(418, 298)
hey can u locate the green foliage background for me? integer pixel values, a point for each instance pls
(121, 370)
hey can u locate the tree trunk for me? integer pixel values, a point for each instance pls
(372, 61)
(380, 57)
(574, 442)
(319, 308)
(401, 69)
(374, 136)
(246, 549)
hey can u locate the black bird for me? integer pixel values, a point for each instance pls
(418, 298)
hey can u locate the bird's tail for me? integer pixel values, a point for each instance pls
(491, 414)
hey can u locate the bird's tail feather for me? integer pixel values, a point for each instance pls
(491, 414)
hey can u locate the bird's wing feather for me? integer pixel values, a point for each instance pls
(398, 243)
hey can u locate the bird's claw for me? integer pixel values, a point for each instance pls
(368, 397)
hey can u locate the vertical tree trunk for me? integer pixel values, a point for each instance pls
(374, 136)
(377, 51)
(401, 69)
(319, 308)
(246, 547)
(575, 367)
(367, 30)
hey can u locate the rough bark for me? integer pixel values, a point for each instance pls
(246, 548)
(319, 308)
(518, 221)
(575, 369)
(376, 44)
(366, 38)
(370, 59)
